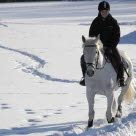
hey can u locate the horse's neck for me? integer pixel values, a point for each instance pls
(101, 60)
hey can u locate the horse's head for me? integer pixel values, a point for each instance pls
(91, 50)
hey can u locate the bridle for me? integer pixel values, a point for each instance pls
(95, 66)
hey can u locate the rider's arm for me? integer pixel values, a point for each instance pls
(115, 35)
(93, 29)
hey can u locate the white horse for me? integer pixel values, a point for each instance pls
(101, 78)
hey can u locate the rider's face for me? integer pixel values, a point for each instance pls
(104, 13)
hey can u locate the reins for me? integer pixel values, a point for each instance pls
(97, 61)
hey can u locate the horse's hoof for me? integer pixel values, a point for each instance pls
(112, 120)
(119, 114)
(90, 124)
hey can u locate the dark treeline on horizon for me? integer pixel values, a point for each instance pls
(25, 0)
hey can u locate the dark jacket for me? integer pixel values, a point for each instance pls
(108, 29)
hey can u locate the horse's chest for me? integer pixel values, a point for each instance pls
(102, 80)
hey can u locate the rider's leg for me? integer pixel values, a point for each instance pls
(120, 66)
(83, 67)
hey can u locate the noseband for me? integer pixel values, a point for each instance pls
(95, 66)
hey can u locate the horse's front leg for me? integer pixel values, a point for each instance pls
(90, 98)
(109, 112)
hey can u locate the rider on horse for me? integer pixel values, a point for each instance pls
(109, 30)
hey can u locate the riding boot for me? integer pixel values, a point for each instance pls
(121, 76)
(120, 66)
(83, 67)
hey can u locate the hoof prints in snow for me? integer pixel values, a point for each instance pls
(29, 111)
(33, 120)
(5, 106)
(45, 116)
(57, 113)
(73, 106)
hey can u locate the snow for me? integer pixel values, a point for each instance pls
(40, 49)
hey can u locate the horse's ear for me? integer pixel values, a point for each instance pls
(98, 37)
(83, 39)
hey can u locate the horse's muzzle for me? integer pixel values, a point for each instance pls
(90, 72)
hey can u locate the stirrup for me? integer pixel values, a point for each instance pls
(82, 81)
(122, 82)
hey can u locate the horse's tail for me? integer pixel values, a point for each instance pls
(130, 93)
(129, 96)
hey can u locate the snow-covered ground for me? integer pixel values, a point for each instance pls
(40, 49)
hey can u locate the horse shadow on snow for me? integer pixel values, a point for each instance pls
(67, 129)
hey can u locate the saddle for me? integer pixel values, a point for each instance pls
(116, 66)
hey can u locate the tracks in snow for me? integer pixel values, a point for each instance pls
(40, 64)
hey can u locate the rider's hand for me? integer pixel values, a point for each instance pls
(108, 51)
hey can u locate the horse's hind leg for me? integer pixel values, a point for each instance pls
(120, 100)
(119, 112)
(110, 106)
(90, 98)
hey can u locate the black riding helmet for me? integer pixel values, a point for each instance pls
(104, 5)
